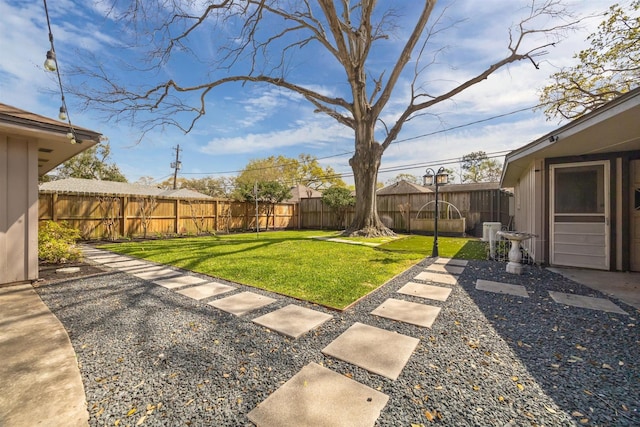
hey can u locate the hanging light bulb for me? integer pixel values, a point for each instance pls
(50, 62)
(71, 136)
(63, 113)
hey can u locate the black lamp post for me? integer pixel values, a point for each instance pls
(438, 178)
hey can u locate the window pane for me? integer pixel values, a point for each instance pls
(579, 189)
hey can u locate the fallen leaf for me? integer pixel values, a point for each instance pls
(239, 401)
(514, 378)
(606, 366)
(520, 386)
(519, 343)
(577, 414)
(588, 392)
(550, 409)
(417, 425)
(189, 402)
(428, 415)
(100, 412)
(621, 363)
(500, 399)
(438, 387)
(117, 423)
(348, 375)
(417, 386)
(584, 420)
(476, 388)
(141, 420)
(132, 411)
(581, 348)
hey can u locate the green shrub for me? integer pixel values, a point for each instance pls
(57, 243)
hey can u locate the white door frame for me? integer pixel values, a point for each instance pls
(605, 229)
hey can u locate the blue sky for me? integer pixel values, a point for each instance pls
(257, 121)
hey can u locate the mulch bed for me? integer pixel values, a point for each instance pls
(49, 273)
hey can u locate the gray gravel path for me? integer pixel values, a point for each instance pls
(150, 356)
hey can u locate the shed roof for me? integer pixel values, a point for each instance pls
(90, 186)
(54, 147)
(404, 187)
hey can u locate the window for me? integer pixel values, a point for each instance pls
(580, 190)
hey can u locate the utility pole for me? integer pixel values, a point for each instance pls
(176, 165)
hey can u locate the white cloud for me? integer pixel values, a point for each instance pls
(305, 134)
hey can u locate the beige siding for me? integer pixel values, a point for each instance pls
(18, 210)
(529, 209)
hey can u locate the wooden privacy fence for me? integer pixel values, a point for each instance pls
(105, 216)
(100, 216)
(398, 211)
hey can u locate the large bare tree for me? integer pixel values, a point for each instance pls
(258, 40)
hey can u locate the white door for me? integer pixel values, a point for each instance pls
(635, 215)
(579, 209)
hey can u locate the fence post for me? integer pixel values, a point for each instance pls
(123, 224)
(176, 223)
(54, 204)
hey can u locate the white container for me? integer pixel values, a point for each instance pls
(489, 230)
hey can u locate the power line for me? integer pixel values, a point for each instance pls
(498, 116)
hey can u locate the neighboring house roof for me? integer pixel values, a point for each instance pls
(404, 187)
(95, 187)
(54, 147)
(302, 192)
(614, 127)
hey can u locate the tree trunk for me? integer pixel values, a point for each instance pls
(365, 164)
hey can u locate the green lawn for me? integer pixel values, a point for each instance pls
(291, 263)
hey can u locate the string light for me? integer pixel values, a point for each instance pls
(51, 64)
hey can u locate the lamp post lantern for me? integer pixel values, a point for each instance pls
(438, 178)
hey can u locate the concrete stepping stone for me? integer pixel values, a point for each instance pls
(103, 259)
(162, 273)
(582, 301)
(319, 397)
(445, 268)
(142, 267)
(293, 320)
(128, 263)
(452, 261)
(179, 281)
(206, 290)
(501, 288)
(87, 252)
(429, 276)
(438, 293)
(242, 303)
(408, 312)
(376, 350)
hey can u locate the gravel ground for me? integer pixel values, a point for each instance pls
(150, 356)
